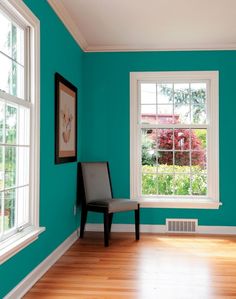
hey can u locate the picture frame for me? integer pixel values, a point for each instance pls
(65, 120)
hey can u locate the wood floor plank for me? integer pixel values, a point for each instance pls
(157, 266)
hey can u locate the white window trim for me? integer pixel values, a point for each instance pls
(23, 238)
(210, 202)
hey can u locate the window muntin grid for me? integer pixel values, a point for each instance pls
(174, 108)
(12, 56)
(14, 128)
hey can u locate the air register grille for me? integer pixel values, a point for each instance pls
(182, 225)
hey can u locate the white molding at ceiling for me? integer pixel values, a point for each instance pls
(67, 20)
(186, 47)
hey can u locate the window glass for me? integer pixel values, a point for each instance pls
(14, 129)
(11, 57)
(174, 160)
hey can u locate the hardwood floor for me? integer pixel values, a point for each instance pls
(157, 266)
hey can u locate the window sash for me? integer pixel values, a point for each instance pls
(173, 173)
(173, 126)
(11, 231)
(5, 234)
(173, 81)
(11, 16)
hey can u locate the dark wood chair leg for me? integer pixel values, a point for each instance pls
(137, 221)
(106, 229)
(110, 222)
(84, 213)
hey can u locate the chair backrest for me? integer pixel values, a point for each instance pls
(95, 180)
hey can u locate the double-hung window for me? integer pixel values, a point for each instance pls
(174, 139)
(19, 127)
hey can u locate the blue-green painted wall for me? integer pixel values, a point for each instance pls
(59, 53)
(105, 122)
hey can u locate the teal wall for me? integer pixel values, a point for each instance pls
(59, 53)
(105, 123)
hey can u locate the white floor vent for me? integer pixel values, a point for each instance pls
(181, 225)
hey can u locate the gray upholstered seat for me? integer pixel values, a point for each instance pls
(95, 194)
(116, 205)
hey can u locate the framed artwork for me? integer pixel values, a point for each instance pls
(65, 120)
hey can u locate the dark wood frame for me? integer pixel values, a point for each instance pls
(59, 79)
(85, 208)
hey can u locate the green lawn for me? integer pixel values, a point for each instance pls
(173, 180)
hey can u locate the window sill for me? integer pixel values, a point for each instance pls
(14, 244)
(179, 203)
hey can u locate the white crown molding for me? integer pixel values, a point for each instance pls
(186, 47)
(23, 287)
(67, 20)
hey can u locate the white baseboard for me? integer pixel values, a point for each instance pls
(216, 230)
(23, 287)
(161, 229)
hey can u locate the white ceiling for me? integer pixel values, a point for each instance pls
(124, 25)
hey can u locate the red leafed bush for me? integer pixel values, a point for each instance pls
(182, 142)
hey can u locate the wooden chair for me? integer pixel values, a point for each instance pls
(95, 194)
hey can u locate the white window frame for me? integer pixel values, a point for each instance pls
(26, 235)
(208, 202)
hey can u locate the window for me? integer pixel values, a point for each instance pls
(19, 127)
(174, 139)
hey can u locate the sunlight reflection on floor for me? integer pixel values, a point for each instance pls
(183, 270)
